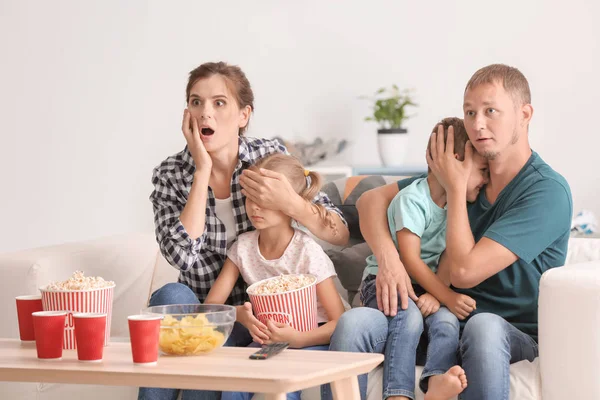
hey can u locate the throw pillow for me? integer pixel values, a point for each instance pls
(349, 265)
(344, 193)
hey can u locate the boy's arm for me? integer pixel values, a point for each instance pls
(443, 271)
(392, 279)
(221, 289)
(409, 245)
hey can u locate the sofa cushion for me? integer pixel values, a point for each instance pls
(349, 264)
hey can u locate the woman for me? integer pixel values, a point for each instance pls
(199, 195)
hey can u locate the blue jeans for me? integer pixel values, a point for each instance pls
(402, 341)
(248, 396)
(487, 347)
(177, 293)
(489, 344)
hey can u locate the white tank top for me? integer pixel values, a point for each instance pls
(224, 211)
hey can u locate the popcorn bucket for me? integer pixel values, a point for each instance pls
(297, 308)
(79, 301)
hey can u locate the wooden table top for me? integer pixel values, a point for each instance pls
(227, 368)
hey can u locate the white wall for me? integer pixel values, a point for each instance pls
(91, 93)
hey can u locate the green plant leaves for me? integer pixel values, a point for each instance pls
(389, 107)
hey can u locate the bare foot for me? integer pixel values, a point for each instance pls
(448, 385)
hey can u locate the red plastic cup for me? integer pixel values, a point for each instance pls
(26, 305)
(82, 301)
(89, 335)
(143, 332)
(49, 327)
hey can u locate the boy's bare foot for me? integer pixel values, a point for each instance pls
(448, 385)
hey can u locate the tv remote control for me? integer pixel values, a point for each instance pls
(269, 351)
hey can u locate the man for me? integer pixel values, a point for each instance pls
(496, 249)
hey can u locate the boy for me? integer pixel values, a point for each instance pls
(417, 221)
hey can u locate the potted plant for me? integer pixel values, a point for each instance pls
(389, 111)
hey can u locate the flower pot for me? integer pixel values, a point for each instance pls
(393, 146)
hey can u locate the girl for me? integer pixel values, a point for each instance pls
(277, 248)
(198, 196)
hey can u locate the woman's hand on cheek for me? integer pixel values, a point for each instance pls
(194, 142)
(280, 332)
(270, 190)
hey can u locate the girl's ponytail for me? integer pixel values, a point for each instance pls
(314, 182)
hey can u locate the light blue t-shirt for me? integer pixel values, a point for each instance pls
(413, 209)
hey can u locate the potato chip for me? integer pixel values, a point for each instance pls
(188, 336)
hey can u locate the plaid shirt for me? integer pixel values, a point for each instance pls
(200, 261)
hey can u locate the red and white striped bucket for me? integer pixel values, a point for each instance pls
(74, 301)
(297, 308)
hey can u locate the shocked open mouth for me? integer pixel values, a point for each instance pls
(207, 131)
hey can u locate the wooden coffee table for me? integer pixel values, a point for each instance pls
(225, 369)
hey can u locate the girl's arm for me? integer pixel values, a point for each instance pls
(330, 299)
(221, 289)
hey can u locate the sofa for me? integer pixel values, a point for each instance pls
(569, 313)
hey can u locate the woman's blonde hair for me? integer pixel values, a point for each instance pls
(306, 183)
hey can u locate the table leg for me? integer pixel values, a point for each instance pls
(275, 396)
(346, 389)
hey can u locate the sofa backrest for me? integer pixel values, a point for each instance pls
(583, 250)
(129, 260)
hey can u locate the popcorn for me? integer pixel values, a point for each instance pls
(284, 283)
(79, 282)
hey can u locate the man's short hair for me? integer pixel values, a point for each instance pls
(513, 81)
(460, 135)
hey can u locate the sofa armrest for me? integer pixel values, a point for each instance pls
(129, 260)
(569, 325)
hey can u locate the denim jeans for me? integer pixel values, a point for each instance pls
(401, 340)
(248, 396)
(177, 293)
(488, 345)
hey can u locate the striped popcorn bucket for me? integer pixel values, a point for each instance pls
(297, 308)
(83, 301)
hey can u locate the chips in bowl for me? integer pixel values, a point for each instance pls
(188, 336)
(193, 329)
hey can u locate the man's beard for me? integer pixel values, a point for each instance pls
(515, 137)
(492, 155)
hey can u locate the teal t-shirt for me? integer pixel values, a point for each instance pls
(412, 208)
(532, 218)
